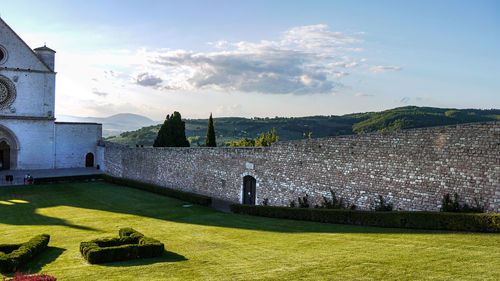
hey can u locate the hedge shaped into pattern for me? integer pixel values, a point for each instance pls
(12, 256)
(129, 245)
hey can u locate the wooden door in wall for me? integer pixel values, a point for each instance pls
(4, 156)
(89, 160)
(249, 185)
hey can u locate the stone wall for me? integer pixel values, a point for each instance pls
(412, 168)
(74, 141)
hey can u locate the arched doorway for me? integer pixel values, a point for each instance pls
(4, 156)
(89, 160)
(9, 148)
(249, 184)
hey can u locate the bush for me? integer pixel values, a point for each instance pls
(417, 220)
(129, 232)
(34, 277)
(66, 179)
(182, 195)
(304, 202)
(452, 205)
(383, 206)
(130, 245)
(334, 203)
(265, 202)
(12, 256)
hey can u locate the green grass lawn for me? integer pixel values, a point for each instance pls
(205, 244)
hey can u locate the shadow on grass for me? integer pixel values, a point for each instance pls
(166, 257)
(38, 262)
(31, 217)
(108, 197)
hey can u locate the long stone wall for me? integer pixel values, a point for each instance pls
(412, 168)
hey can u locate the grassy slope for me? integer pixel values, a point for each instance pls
(233, 129)
(208, 245)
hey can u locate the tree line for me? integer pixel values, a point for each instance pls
(172, 133)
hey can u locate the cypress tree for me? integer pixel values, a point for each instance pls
(210, 141)
(172, 133)
(161, 138)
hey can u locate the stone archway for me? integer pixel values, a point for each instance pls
(9, 148)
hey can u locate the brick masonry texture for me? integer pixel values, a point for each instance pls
(413, 169)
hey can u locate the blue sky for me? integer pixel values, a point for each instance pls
(265, 58)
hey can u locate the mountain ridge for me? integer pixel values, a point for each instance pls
(114, 124)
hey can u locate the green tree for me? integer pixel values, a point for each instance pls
(244, 142)
(265, 139)
(172, 133)
(210, 141)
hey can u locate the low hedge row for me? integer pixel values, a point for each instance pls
(12, 256)
(130, 245)
(419, 220)
(182, 195)
(65, 179)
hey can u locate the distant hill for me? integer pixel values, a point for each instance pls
(418, 117)
(234, 128)
(113, 125)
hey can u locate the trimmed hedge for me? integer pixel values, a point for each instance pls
(130, 245)
(12, 256)
(65, 179)
(182, 195)
(477, 222)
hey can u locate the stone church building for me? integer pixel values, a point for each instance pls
(30, 137)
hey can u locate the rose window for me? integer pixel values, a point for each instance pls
(7, 92)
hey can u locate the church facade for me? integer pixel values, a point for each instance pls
(30, 137)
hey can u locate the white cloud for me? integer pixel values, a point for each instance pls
(352, 64)
(229, 110)
(99, 93)
(362, 95)
(147, 80)
(307, 60)
(404, 100)
(260, 70)
(317, 37)
(381, 68)
(302, 61)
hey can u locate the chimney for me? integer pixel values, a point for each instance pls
(47, 55)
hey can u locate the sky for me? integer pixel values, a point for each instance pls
(264, 58)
